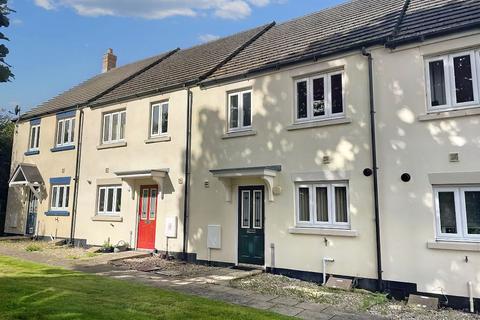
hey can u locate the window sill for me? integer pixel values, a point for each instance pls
(32, 153)
(452, 245)
(57, 213)
(238, 134)
(63, 148)
(449, 114)
(158, 139)
(324, 232)
(107, 218)
(318, 124)
(112, 145)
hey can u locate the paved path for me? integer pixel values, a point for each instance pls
(212, 286)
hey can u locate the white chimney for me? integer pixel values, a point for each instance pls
(109, 61)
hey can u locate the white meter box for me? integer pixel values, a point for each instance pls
(171, 227)
(214, 237)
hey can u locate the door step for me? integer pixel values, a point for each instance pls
(248, 267)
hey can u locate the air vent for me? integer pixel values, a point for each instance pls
(454, 157)
(326, 160)
(206, 184)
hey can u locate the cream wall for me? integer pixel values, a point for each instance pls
(98, 168)
(407, 144)
(299, 151)
(51, 165)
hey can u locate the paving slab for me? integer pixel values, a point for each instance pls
(316, 307)
(313, 315)
(257, 304)
(285, 310)
(287, 301)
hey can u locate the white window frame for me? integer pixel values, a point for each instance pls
(451, 92)
(160, 105)
(105, 211)
(255, 207)
(328, 97)
(460, 211)
(61, 135)
(65, 198)
(108, 140)
(34, 142)
(243, 211)
(313, 222)
(241, 126)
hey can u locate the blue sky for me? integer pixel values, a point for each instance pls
(56, 44)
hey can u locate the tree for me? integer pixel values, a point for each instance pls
(7, 129)
(5, 72)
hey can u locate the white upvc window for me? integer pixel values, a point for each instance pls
(34, 138)
(240, 111)
(320, 97)
(114, 126)
(457, 212)
(109, 201)
(452, 81)
(60, 197)
(65, 132)
(323, 205)
(159, 119)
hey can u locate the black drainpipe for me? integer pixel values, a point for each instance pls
(188, 151)
(374, 169)
(76, 179)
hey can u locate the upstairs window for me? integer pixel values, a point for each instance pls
(65, 132)
(240, 111)
(322, 205)
(109, 200)
(34, 137)
(452, 81)
(319, 97)
(60, 197)
(458, 213)
(159, 123)
(114, 126)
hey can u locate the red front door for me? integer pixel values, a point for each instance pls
(147, 217)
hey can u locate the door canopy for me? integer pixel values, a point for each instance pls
(27, 175)
(157, 175)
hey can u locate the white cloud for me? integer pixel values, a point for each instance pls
(207, 37)
(158, 9)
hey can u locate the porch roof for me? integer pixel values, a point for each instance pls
(26, 174)
(140, 174)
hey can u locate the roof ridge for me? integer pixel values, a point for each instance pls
(237, 51)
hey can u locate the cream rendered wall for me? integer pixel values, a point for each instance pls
(51, 165)
(98, 167)
(299, 151)
(407, 144)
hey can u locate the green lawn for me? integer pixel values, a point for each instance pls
(33, 291)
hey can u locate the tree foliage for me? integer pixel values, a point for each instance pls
(7, 129)
(5, 72)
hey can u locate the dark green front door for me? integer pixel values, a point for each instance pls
(251, 234)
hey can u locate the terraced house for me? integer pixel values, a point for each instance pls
(344, 143)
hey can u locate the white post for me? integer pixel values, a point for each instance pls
(470, 295)
(325, 260)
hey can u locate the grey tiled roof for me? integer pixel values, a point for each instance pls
(325, 32)
(184, 66)
(427, 18)
(92, 88)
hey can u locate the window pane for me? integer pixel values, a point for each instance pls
(304, 204)
(472, 204)
(463, 78)
(165, 118)
(65, 131)
(302, 100)
(118, 200)
(144, 204)
(67, 195)
(32, 137)
(54, 197)
(37, 140)
(448, 222)
(247, 109)
(110, 199)
(337, 93)
(61, 190)
(258, 209)
(115, 123)
(72, 130)
(437, 83)
(341, 211)
(245, 209)
(106, 128)
(234, 111)
(123, 121)
(318, 97)
(101, 200)
(155, 117)
(59, 132)
(153, 203)
(322, 204)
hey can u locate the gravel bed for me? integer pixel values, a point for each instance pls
(49, 248)
(351, 301)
